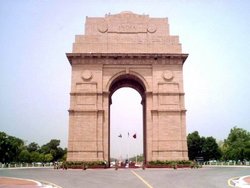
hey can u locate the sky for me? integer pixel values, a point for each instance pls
(35, 73)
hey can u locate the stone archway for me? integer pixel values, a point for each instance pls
(132, 50)
(132, 81)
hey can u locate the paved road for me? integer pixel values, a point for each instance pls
(138, 178)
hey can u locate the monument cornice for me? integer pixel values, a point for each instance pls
(174, 150)
(169, 140)
(93, 151)
(169, 110)
(77, 111)
(121, 56)
(169, 93)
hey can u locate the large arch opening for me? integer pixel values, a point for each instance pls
(124, 126)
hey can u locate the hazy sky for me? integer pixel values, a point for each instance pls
(35, 73)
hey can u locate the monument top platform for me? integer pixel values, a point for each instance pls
(126, 32)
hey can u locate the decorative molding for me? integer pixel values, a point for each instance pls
(102, 27)
(87, 75)
(169, 151)
(167, 75)
(73, 111)
(125, 58)
(168, 110)
(152, 28)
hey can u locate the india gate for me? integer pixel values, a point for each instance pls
(127, 50)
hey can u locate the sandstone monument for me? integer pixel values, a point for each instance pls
(127, 50)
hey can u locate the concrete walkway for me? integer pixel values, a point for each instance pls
(17, 182)
(8, 182)
(123, 178)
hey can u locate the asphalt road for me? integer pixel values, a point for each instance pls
(132, 178)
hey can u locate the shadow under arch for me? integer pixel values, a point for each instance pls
(131, 74)
(127, 80)
(132, 81)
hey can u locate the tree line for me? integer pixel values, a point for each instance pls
(13, 149)
(235, 147)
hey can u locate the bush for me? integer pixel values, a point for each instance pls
(84, 164)
(169, 164)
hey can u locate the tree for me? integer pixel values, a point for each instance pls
(33, 147)
(35, 156)
(237, 145)
(194, 145)
(205, 147)
(10, 147)
(24, 156)
(48, 158)
(53, 148)
(210, 149)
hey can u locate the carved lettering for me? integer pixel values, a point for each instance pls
(127, 28)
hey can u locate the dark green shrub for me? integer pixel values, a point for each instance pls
(84, 164)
